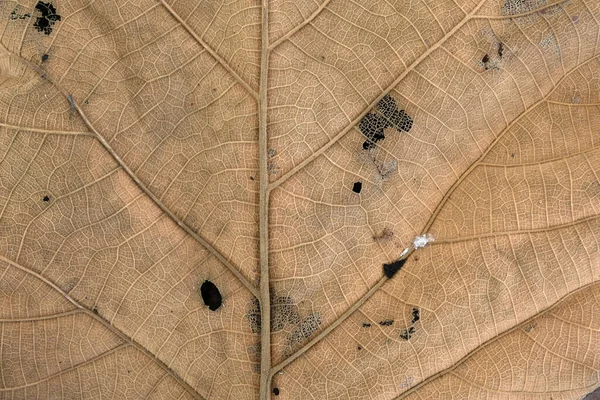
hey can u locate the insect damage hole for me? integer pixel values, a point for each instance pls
(276, 391)
(357, 187)
(46, 198)
(211, 295)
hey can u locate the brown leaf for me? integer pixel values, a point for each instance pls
(345, 200)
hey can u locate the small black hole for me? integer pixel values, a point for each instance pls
(211, 295)
(44, 57)
(46, 198)
(357, 187)
(276, 391)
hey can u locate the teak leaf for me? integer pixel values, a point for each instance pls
(300, 200)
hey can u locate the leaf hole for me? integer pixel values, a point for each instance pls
(211, 295)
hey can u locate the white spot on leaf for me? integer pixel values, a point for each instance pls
(423, 240)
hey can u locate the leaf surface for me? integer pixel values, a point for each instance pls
(285, 152)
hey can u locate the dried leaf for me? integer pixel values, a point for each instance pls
(390, 200)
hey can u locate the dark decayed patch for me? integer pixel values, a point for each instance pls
(15, 14)
(390, 269)
(386, 115)
(372, 126)
(387, 322)
(407, 334)
(357, 187)
(366, 325)
(211, 295)
(254, 316)
(286, 316)
(307, 327)
(512, 7)
(500, 49)
(45, 57)
(283, 312)
(398, 118)
(416, 315)
(47, 18)
(385, 234)
(486, 62)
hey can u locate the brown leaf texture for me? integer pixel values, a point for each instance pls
(285, 151)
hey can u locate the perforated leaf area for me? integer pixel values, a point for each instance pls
(411, 188)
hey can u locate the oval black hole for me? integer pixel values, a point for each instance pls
(276, 391)
(211, 295)
(357, 187)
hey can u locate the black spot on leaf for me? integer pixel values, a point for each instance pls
(358, 347)
(416, 315)
(47, 19)
(46, 198)
(387, 322)
(45, 57)
(390, 269)
(500, 49)
(276, 391)
(357, 187)
(366, 325)
(211, 295)
(485, 59)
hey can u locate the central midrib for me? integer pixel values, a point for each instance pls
(263, 228)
